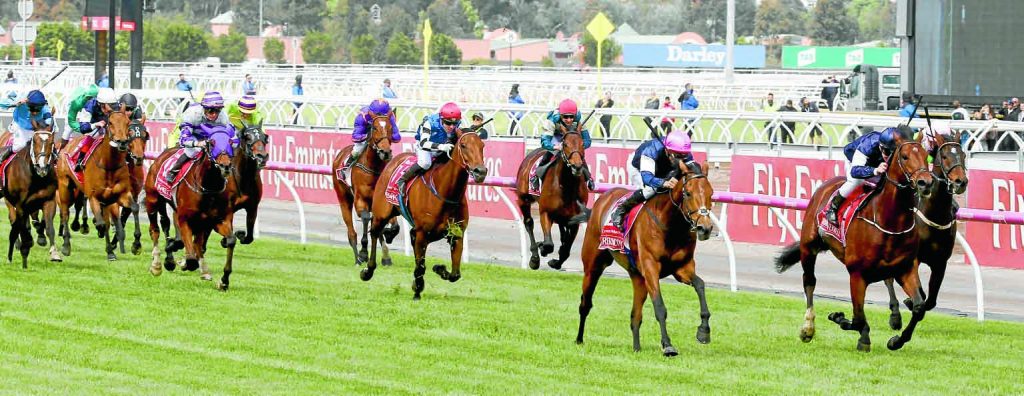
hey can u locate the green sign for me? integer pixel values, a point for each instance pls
(798, 57)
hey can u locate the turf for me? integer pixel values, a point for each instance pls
(298, 321)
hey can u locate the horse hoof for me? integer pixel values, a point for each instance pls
(365, 274)
(895, 321)
(362, 257)
(41, 241)
(534, 262)
(894, 343)
(222, 286)
(909, 304)
(155, 270)
(703, 336)
(169, 263)
(454, 277)
(546, 249)
(66, 250)
(191, 264)
(206, 277)
(111, 257)
(441, 271)
(806, 333)
(416, 297)
(56, 258)
(836, 316)
(385, 262)
(555, 264)
(863, 347)
(75, 226)
(136, 248)
(669, 351)
(85, 229)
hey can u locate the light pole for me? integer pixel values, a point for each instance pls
(260, 31)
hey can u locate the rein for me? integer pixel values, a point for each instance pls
(909, 184)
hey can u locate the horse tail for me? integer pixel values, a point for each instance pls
(790, 255)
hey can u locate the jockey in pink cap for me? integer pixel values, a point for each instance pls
(652, 162)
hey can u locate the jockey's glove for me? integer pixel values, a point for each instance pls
(446, 147)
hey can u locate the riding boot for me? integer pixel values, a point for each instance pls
(176, 167)
(619, 215)
(833, 209)
(542, 169)
(588, 177)
(83, 145)
(410, 173)
(5, 152)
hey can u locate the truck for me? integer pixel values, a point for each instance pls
(871, 88)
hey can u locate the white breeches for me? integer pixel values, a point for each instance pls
(637, 180)
(192, 152)
(20, 136)
(851, 182)
(425, 158)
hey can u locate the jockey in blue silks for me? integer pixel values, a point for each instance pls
(31, 113)
(567, 116)
(362, 126)
(652, 163)
(867, 156)
(209, 112)
(435, 136)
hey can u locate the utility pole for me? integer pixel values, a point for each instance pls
(730, 37)
(259, 32)
(111, 34)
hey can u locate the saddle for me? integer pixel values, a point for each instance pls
(611, 237)
(88, 150)
(847, 211)
(166, 189)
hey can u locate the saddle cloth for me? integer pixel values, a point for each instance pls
(70, 158)
(845, 214)
(3, 170)
(391, 193)
(165, 189)
(611, 237)
(344, 175)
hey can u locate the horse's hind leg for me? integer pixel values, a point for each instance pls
(858, 287)
(594, 263)
(202, 237)
(808, 258)
(137, 243)
(637, 314)
(568, 236)
(366, 218)
(371, 265)
(912, 286)
(40, 227)
(456, 273)
(228, 243)
(385, 258)
(895, 319)
(154, 234)
(49, 212)
(26, 239)
(524, 208)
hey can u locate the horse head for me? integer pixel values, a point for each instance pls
(692, 196)
(117, 130)
(949, 160)
(380, 136)
(572, 151)
(254, 143)
(220, 147)
(908, 164)
(469, 150)
(138, 135)
(43, 153)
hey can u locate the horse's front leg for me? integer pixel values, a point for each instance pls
(250, 223)
(366, 218)
(40, 227)
(228, 243)
(137, 243)
(98, 218)
(911, 283)
(49, 212)
(525, 209)
(110, 217)
(568, 236)
(188, 239)
(456, 273)
(548, 245)
(64, 203)
(895, 319)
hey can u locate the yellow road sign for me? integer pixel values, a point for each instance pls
(600, 27)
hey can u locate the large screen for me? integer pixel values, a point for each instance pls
(969, 48)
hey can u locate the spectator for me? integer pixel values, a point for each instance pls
(515, 116)
(1012, 110)
(788, 128)
(478, 119)
(959, 113)
(907, 110)
(387, 92)
(248, 86)
(1005, 110)
(104, 81)
(686, 100)
(666, 122)
(652, 103)
(297, 91)
(10, 78)
(768, 106)
(606, 119)
(985, 114)
(806, 106)
(184, 86)
(830, 91)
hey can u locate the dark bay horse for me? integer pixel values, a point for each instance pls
(203, 202)
(108, 184)
(139, 135)
(437, 204)
(358, 191)
(48, 209)
(246, 176)
(881, 242)
(30, 187)
(936, 221)
(663, 239)
(562, 200)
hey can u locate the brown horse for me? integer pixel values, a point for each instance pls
(30, 188)
(107, 185)
(203, 202)
(246, 176)
(562, 201)
(39, 225)
(881, 242)
(936, 221)
(437, 206)
(358, 192)
(136, 154)
(662, 240)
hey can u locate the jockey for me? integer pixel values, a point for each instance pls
(209, 112)
(439, 138)
(30, 114)
(567, 115)
(79, 98)
(867, 156)
(652, 162)
(98, 108)
(244, 113)
(361, 128)
(130, 104)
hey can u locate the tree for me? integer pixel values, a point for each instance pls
(875, 19)
(153, 39)
(449, 17)
(401, 50)
(317, 47)
(443, 50)
(362, 48)
(774, 17)
(609, 50)
(78, 44)
(831, 24)
(273, 50)
(183, 42)
(230, 48)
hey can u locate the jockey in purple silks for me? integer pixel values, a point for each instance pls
(363, 124)
(192, 139)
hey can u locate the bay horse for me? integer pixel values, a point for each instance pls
(562, 200)
(139, 135)
(30, 186)
(247, 178)
(203, 202)
(38, 223)
(662, 240)
(936, 221)
(881, 241)
(107, 186)
(437, 205)
(357, 192)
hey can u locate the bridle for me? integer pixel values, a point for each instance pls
(376, 142)
(958, 155)
(899, 162)
(46, 158)
(136, 131)
(566, 157)
(252, 134)
(700, 212)
(458, 146)
(121, 145)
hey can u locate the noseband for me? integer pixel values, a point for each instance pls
(899, 162)
(689, 215)
(566, 157)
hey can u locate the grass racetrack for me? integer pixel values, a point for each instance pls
(298, 320)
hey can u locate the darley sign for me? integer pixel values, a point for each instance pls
(688, 55)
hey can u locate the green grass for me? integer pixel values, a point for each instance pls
(298, 321)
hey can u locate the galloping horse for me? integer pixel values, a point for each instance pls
(247, 177)
(562, 198)
(358, 191)
(936, 221)
(662, 241)
(30, 186)
(881, 242)
(107, 183)
(49, 208)
(436, 204)
(203, 202)
(136, 154)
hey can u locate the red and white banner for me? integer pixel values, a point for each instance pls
(784, 177)
(1000, 245)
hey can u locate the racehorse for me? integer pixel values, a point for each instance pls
(936, 221)
(436, 206)
(203, 202)
(29, 188)
(358, 191)
(107, 183)
(247, 178)
(39, 225)
(662, 241)
(562, 198)
(136, 154)
(881, 242)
